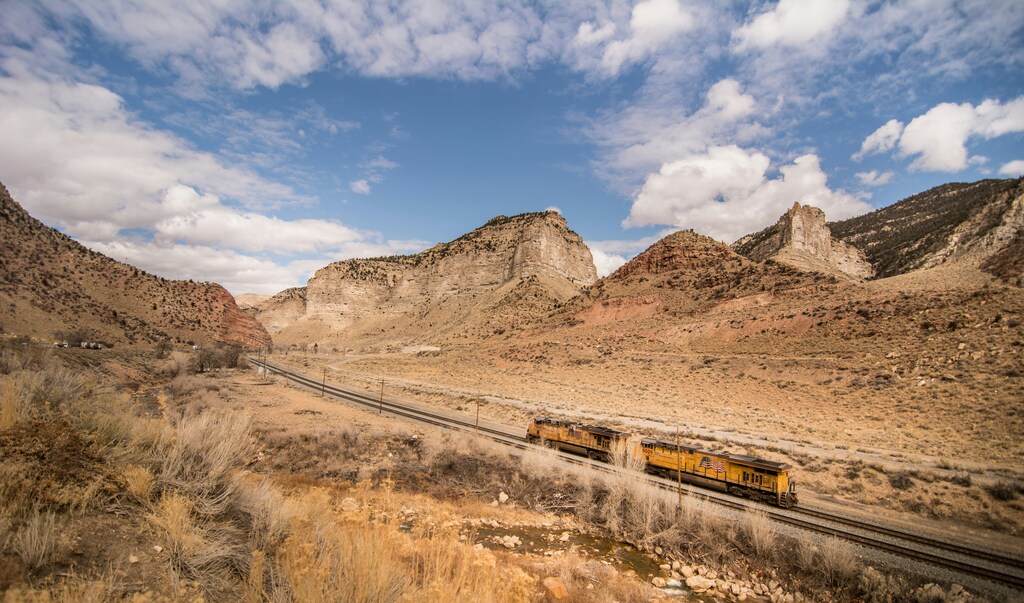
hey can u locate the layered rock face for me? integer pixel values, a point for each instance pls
(279, 311)
(802, 239)
(492, 260)
(957, 223)
(50, 283)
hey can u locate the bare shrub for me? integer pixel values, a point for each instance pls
(877, 587)
(37, 542)
(198, 547)
(263, 507)
(901, 480)
(206, 449)
(760, 534)
(837, 565)
(1002, 491)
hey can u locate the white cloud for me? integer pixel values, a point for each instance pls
(938, 138)
(881, 140)
(640, 138)
(554, 208)
(792, 23)
(610, 254)
(652, 26)
(606, 263)
(725, 193)
(1012, 168)
(74, 154)
(873, 178)
(361, 187)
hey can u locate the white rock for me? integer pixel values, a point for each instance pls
(699, 584)
(676, 565)
(658, 581)
(665, 567)
(502, 498)
(157, 548)
(659, 551)
(772, 585)
(673, 583)
(686, 571)
(494, 503)
(735, 588)
(133, 559)
(564, 537)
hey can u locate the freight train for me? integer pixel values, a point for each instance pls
(738, 474)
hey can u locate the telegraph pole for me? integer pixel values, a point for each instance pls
(478, 413)
(381, 396)
(679, 474)
(323, 384)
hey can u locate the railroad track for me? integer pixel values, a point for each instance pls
(990, 565)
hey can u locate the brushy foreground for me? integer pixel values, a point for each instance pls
(88, 473)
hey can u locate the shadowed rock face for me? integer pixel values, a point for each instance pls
(535, 248)
(802, 239)
(49, 283)
(956, 223)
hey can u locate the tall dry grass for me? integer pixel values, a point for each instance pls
(38, 541)
(206, 450)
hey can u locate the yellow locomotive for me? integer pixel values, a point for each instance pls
(738, 474)
(598, 443)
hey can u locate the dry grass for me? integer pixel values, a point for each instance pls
(198, 547)
(761, 534)
(38, 541)
(836, 563)
(347, 557)
(207, 448)
(138, 481)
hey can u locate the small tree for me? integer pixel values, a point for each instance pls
(163, 348)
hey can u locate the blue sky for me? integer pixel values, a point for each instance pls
(250, 143)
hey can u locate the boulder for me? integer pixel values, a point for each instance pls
(555, 588)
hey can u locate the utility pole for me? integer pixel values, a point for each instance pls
(679, 474)
(381, 396)
(478, 413)
(323, 384)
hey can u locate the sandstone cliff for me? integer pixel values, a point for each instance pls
(801, 239)
(278, 311)
(953, 224)
(469, 284)
(50, 283)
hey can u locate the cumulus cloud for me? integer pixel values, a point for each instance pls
(652, 24)
(1012, 168)
(73, 153)
(938, 139)
(639, 139)
(881, 140)
(725, 193)
(74, 156)
(361, 187)
(606, 263)
(873, 178)
(610, 254)
(791, 23)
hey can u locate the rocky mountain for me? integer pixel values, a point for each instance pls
(956, 223)
(49, 283)
(278, 311)
(466, 285)
(248, 301)
(802, 240)
(684, 274)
